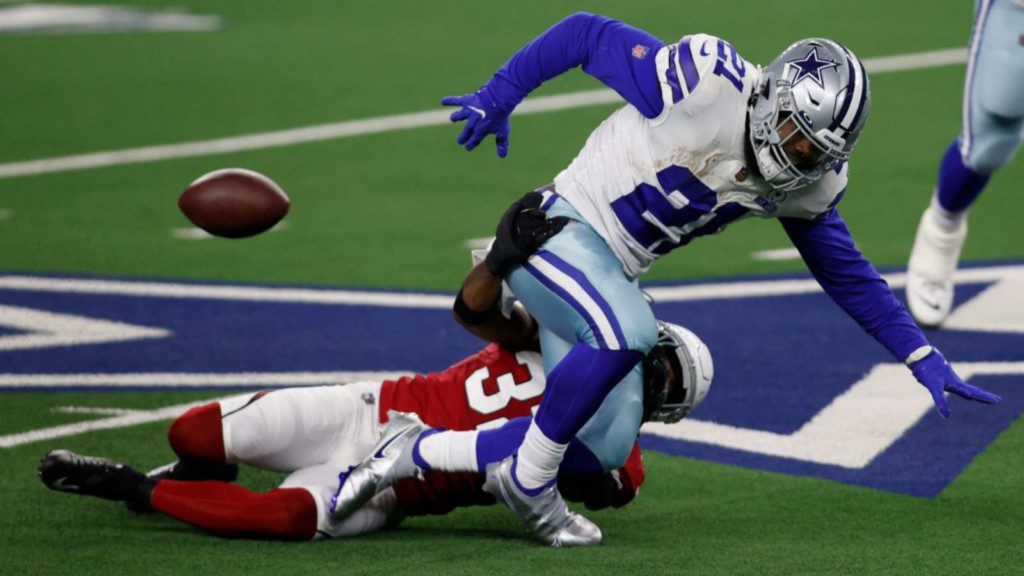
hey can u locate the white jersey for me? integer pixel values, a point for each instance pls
(651, 185)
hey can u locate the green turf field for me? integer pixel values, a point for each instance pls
(394, 209)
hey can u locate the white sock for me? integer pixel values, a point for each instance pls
(947, 221)
(539, 458)
(450, 451)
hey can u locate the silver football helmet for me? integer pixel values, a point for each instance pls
(691, 361)
(817, 89)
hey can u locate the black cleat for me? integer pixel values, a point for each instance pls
(195, 470)
(65, 471)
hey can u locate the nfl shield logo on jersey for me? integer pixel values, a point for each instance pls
(640, 51)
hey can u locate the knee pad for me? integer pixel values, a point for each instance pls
(1000, 83)
(198, 433)
(995, 143)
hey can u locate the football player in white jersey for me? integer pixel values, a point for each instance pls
(705, 140)
(993, 127)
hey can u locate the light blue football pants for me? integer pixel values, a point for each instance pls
(577, 290)
(993, 107)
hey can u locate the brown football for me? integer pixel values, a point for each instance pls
(234, 203)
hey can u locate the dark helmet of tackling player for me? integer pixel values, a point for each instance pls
(819, 87)
(682, 352)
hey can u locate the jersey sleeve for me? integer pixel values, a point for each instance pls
(826, 246)
(620, 56)
(682, 66)
(818, 199)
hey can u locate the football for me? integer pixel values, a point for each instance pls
(234, 203)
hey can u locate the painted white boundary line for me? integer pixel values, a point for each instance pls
(776, 255)
(380, 124)
(686, 292)
(133, 419)
(102, 411)
(192, 380)
(853, 430)
(226, 292)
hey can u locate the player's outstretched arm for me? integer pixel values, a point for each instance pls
(828, 250)
(620, 56)
(523, 228)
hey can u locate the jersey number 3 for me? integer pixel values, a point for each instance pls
(508, 390)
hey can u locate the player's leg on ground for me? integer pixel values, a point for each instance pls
(322, 484)
(232, 511)
(993, 118)
(297, 510)
(283, 430)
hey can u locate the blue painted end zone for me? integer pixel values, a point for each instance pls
(779, 361)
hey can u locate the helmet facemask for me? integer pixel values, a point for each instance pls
(678, 352)
(770, 137)
(781, 113)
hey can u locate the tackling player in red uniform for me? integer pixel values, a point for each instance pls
(319, 433)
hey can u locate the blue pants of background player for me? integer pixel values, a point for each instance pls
(993, 107)
(595, 327)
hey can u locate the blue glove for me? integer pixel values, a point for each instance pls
(483, 116)
(935, 374)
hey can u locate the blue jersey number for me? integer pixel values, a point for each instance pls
(660, 221)
(729, 65)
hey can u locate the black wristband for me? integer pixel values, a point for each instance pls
(468, 315)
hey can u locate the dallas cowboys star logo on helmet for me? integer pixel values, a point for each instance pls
(811, 67)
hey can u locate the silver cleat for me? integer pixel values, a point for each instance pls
(546, 514)
(390, 461)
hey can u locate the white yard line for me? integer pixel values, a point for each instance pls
(477, 243)
(227, 292)
(193, 380)
(93, 410)
(776, 254)
(122, 421)
(194, 233)
(684, 292)
(380, 124)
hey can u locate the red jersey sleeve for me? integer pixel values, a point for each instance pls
(486, 389)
